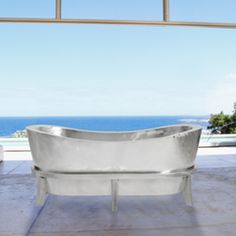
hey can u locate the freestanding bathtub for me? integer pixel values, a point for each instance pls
(144, 162)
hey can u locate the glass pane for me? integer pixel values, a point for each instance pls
(27, 8)
(203, 10)
(113, 9)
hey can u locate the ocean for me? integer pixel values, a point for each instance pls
(9, 125)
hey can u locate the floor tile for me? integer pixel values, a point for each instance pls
(17, 204)
(8, 166)
(214, 196)
(24, 168)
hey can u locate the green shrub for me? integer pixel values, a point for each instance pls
(224, 124)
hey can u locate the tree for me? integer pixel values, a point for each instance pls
(224, 124)
(234, 111)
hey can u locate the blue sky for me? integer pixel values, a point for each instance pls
(48, 69)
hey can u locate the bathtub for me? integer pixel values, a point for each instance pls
(1, 153)
(153, 161)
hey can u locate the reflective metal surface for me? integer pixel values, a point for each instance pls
(61, 149)
(144, 162)
(119, 22)
(1, 153)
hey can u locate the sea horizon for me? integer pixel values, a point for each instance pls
(11, 124)
(7, 116)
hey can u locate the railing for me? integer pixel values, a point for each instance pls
(165, 22)
(218, 140)
(215, 140)
(15, 144)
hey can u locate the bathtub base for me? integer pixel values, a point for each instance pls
(41, 190)
(114, 184)
(187, 191)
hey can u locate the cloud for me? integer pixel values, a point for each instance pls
(231, 77)
(222, 95)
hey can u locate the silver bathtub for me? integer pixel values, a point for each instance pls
(144, 162)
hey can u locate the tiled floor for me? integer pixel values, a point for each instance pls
(216, 157)
(214, 211)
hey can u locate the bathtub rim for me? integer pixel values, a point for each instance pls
(31, 128)
(117, 174)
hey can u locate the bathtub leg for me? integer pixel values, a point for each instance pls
(114, 194)
(41, 191)
(187, 191)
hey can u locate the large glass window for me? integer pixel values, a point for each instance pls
(27, 8)
(113, 9)
(203, 10)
